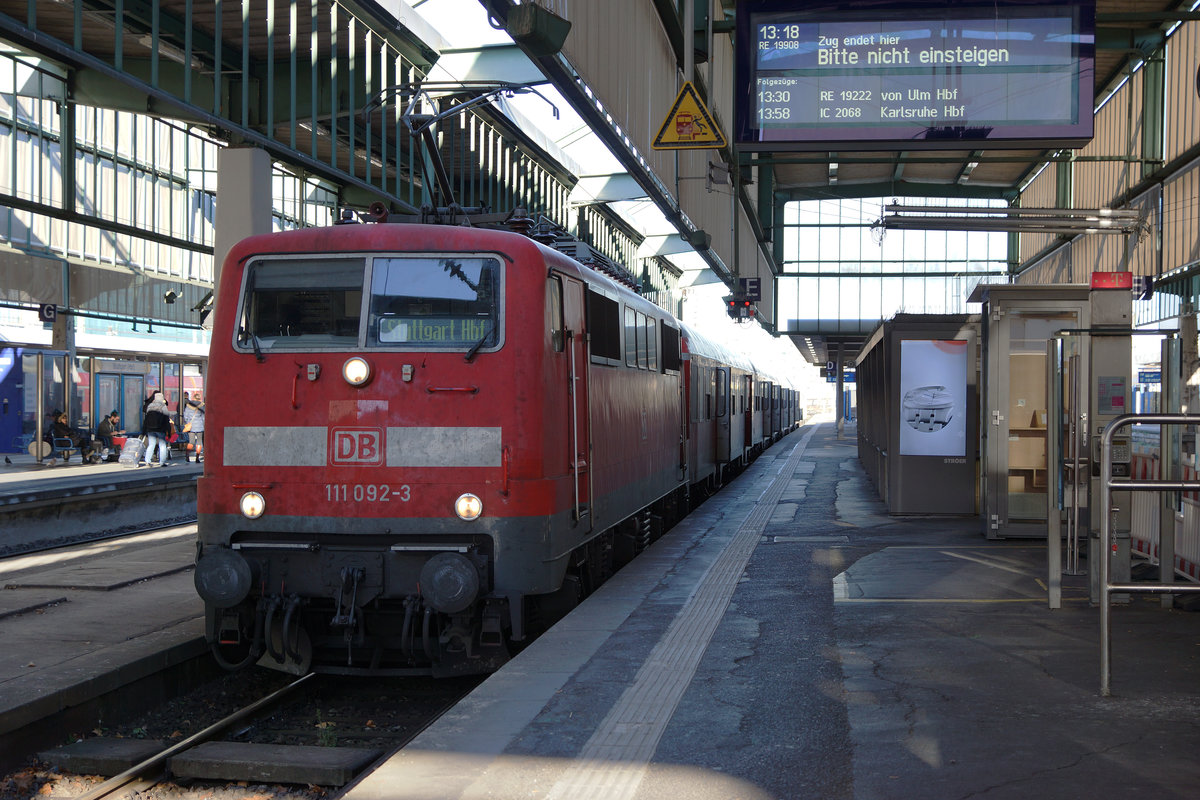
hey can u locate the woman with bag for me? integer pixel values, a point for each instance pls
(193, 424)
(157, 427)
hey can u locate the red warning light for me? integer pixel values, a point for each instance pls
(739, 308)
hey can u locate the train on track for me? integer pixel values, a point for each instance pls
(425, 443)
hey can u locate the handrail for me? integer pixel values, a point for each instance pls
(1108, 542)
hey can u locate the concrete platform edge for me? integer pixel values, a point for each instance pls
(65, 694)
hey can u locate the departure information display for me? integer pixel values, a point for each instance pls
(958, 76)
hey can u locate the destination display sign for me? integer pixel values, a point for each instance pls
(1015, 74)
(433, 330)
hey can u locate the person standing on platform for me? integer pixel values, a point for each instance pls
(157, 426)
(193, 424)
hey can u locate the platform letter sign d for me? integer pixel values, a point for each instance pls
(360, 447)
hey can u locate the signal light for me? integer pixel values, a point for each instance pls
(739, 308)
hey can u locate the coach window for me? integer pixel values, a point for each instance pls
(554, 313)
(695, 390)
(652, 339)
(646, 343)
(604, 322)
(631, 346)
(301, 304)
(709, 380)
(671, 360)
(435, 303)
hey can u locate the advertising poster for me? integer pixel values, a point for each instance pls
(933, 397)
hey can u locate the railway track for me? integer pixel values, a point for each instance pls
(197, 705)
(287, 737)
(119, 785)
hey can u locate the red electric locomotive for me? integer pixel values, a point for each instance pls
(423, 442)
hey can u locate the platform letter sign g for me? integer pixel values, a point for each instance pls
(360, 447)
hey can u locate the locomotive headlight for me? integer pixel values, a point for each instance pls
(253, 505)
(468, 507)
(356, 371)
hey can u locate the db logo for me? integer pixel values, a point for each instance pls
(356, 446)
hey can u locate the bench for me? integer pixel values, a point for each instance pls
(43, 450)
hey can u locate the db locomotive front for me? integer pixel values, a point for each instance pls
(417, 436)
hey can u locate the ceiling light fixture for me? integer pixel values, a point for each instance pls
(1066, 221)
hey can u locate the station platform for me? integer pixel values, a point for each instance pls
(85, 625)
(22, 474)
(45, 506)
(789, 640)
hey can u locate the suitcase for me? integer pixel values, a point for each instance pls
(132, 452)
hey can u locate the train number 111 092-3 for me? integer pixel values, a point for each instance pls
(366, 493)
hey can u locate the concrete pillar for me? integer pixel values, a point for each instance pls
(243, 202)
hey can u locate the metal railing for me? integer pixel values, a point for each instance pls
(1108, 540)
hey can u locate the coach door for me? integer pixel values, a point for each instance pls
(747, 411)
(723, 415)
(579, 434)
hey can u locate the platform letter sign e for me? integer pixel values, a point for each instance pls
(359, 447)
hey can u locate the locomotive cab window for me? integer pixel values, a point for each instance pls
(554, 313)
(435, 302)
(301, 304)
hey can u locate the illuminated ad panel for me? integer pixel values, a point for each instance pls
(933, 397)
(960, 76)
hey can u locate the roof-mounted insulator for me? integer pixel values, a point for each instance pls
(520, 221)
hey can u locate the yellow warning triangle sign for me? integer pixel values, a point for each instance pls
(689, 125)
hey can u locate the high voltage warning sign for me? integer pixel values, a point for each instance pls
(689, 125)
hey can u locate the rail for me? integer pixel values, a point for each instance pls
(1108, 541)
(117, 783)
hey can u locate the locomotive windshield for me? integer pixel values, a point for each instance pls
(303, 303)
(414, 303)
(434, 302)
